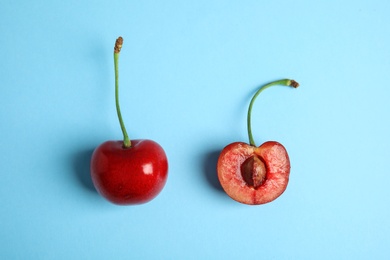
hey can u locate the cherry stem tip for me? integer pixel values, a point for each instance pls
(118, 44)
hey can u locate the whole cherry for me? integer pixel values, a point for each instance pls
(128, 172)
(255, 175)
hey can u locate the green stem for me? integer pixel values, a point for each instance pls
(284, 82)
(117, 49)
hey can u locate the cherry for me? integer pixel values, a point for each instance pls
(128, 172)
(255, 175)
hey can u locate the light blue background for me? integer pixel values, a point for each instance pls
(188, 71)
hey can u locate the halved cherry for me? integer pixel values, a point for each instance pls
(255, 175)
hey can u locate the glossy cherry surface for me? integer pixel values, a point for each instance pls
(128, 172)
(132, 175)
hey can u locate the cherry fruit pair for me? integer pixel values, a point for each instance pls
(133, 172)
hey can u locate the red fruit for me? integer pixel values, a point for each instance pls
(132, 175)
(128, 172)
(255, 175)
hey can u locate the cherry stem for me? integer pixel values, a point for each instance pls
(117, 49)
(284, 82)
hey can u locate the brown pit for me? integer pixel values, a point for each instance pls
(253, 171)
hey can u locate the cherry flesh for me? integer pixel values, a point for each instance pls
(255, 175)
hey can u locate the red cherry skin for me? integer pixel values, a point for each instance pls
(270, 171)
(129, 176)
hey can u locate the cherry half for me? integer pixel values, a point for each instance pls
(255, 175)
(128, 172)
